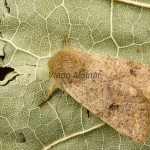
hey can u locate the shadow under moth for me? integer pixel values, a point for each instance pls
(115, 90)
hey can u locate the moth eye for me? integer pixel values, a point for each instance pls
(113, 106)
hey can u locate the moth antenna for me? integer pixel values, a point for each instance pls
(66, 42)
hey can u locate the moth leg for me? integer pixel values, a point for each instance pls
(88, 113)
(51, 90)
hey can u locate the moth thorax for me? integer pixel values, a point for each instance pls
(64, 65)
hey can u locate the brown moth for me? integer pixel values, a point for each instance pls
(115, 90)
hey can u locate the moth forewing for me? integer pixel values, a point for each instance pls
(130, 117)
(115, 90)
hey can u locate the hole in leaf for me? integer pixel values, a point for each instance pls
(4, 71)
(2, 57)
(21, 138)
(6, 5)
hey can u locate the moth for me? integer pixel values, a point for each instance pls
(115, 90)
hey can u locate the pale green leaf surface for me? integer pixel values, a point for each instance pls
(2, 44)
(34, 30)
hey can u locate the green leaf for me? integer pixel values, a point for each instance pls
(33, 30)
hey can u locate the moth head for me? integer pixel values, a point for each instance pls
(63, 65)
